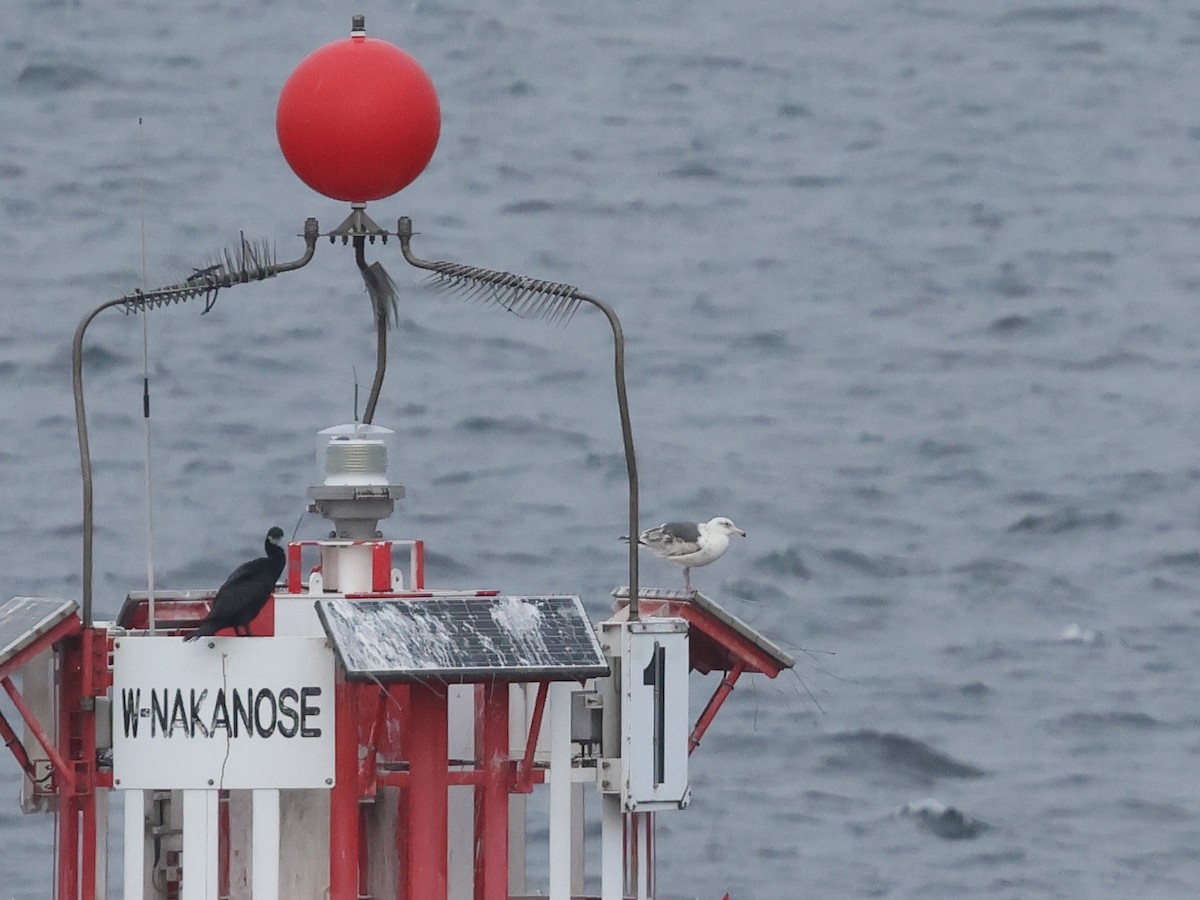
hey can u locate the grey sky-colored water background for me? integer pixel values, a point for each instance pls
(911, 295)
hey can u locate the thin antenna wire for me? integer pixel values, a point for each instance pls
(146, 387)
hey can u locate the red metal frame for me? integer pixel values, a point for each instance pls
(715, 646)
(64, 773)
(66, 628)
(381, 566)
(525, 775)
(15, 747)
(344, 834)
(428, 793)
(714, 705)
(381, 563)
(294, 569)
(68, 802)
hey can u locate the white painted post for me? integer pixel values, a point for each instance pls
(102, 795)
(135, 845)
(560, 790)
(200, 879)
(460, 812)
(612, 848)
(264, 844)
(578, 824)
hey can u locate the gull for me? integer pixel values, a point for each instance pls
(690, 544)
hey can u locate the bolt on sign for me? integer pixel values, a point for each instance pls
(231, 713)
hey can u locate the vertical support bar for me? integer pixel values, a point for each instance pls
(641, 850)
(364, 854)
(99, 864)
(343, 800)
(295, 571)
(428, 793)
(418, 565)
(578, 834)
(518, 723)
(612, 848)
(69, 681)
(68, 848)
(223, 847)
(264, 845)
(135, 845)
(381, 566)
(491, 797)
(560, 791)
(200, 856)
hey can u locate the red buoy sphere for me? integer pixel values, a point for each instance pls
(358, 119)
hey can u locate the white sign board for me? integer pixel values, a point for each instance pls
(654, 714)
(242, 713)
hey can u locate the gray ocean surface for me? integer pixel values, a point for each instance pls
(911, 291)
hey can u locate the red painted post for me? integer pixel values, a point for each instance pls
(295, 572)
(491, 796)
(525, 774)
(381, 566)
(223, 843)
(394, 741)
(418, 576)
(714, 703)
(68, 804)
(343, 801)
(364, 858)
(428, 793)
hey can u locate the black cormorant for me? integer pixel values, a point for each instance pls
(246, 591)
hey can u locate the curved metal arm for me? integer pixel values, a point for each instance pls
(404, 232)
(141, 301)
(383, 298)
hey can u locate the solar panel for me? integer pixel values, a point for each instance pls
(463, 639)
(24, 619)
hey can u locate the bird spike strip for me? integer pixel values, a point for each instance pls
(527, 298)
(253, 261)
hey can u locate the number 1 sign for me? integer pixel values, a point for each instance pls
(654, 714)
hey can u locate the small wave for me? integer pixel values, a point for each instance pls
(946, 822)
(98, 358)
(756, 591)
(439, 565)
(1066, 520)
(519, 427)
(1099, 722)
(880, 566)
(1106, 361)
(899, 752)
(991, 573)
(785, 562)
(1188, 559)
(695, 169)
(769, 341)
(56, 76)
(934, 449)
(1011, 325)
(1066, 13)
(813, 182)
(524, 207)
